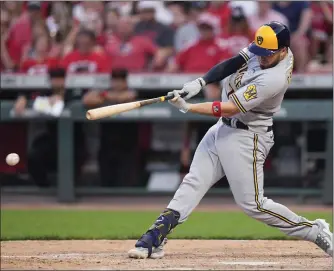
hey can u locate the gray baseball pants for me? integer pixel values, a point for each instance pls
(240, 155)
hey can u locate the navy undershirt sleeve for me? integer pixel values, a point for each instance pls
(224, 69)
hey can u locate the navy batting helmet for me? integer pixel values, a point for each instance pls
(269, 38)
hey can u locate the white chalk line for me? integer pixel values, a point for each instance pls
(53, 256)
(63, 255)
(169, 268)
(249, 263)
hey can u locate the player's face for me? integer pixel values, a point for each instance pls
(267, 62)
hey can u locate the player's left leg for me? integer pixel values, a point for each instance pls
(242, 154)
(205, 170)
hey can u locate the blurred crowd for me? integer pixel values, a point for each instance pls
(154, 36)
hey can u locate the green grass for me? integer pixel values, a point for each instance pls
(73, 224)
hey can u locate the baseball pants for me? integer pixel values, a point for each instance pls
(240, 155)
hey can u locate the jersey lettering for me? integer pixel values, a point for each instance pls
(258, 93)
(238, 78)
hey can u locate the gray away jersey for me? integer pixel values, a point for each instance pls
(258, 93)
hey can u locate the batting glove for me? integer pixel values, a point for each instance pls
(192, 88)
(179, 102)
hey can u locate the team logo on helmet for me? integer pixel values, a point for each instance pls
(259, 40)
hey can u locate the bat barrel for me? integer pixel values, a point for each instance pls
(89, 115)
(111, 110)
(95, 114)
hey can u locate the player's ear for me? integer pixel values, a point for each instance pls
(283, 52)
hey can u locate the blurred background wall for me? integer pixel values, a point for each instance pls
(60, 58)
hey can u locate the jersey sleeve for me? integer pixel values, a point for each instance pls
(246, 54)
(253, 94)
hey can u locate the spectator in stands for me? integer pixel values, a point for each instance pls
(197, 8)
(186, 31)
(124, 8)
(38, 60)
(203, 54)
(59, 23)
(222, 10)
(45, 6)
(161, 12)
(14, 8)
(40, 29)
(84, 58)
(299, 16)
(160, 34)
(20, 33)
(237, 35)
(6, 62)
(4, 21)
(86, 15)
(322, 36)
(130, 51)
(249, 7)
(111, 18)
(119, 93)
(95, 24)
(85, 10)
(118, 155)
(42, 154)
(57, 76)
(265, 13)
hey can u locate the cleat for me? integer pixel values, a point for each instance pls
(143, 252)
(138, 253)
(324, 238)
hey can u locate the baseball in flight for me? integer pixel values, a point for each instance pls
(12, 159)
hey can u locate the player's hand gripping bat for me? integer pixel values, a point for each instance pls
(111, 110)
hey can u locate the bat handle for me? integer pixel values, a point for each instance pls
(170, 97)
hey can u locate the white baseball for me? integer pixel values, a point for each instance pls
(12, 159)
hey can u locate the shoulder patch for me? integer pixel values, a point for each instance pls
(250, 93)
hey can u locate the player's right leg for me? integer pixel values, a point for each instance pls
(205, 170)
(242, 154)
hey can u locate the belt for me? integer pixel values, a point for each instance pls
(234, 123)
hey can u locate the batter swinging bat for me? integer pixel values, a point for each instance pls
(111, 110)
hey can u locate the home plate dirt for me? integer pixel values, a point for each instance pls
(180, 255)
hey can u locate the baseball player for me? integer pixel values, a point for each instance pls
(254, 84)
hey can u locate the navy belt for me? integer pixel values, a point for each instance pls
(240, 125)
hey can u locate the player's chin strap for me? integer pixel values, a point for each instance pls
(155, 235)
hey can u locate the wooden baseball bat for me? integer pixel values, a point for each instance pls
(111, 110)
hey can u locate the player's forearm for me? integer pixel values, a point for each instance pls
(224, 69)
(227, 109)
